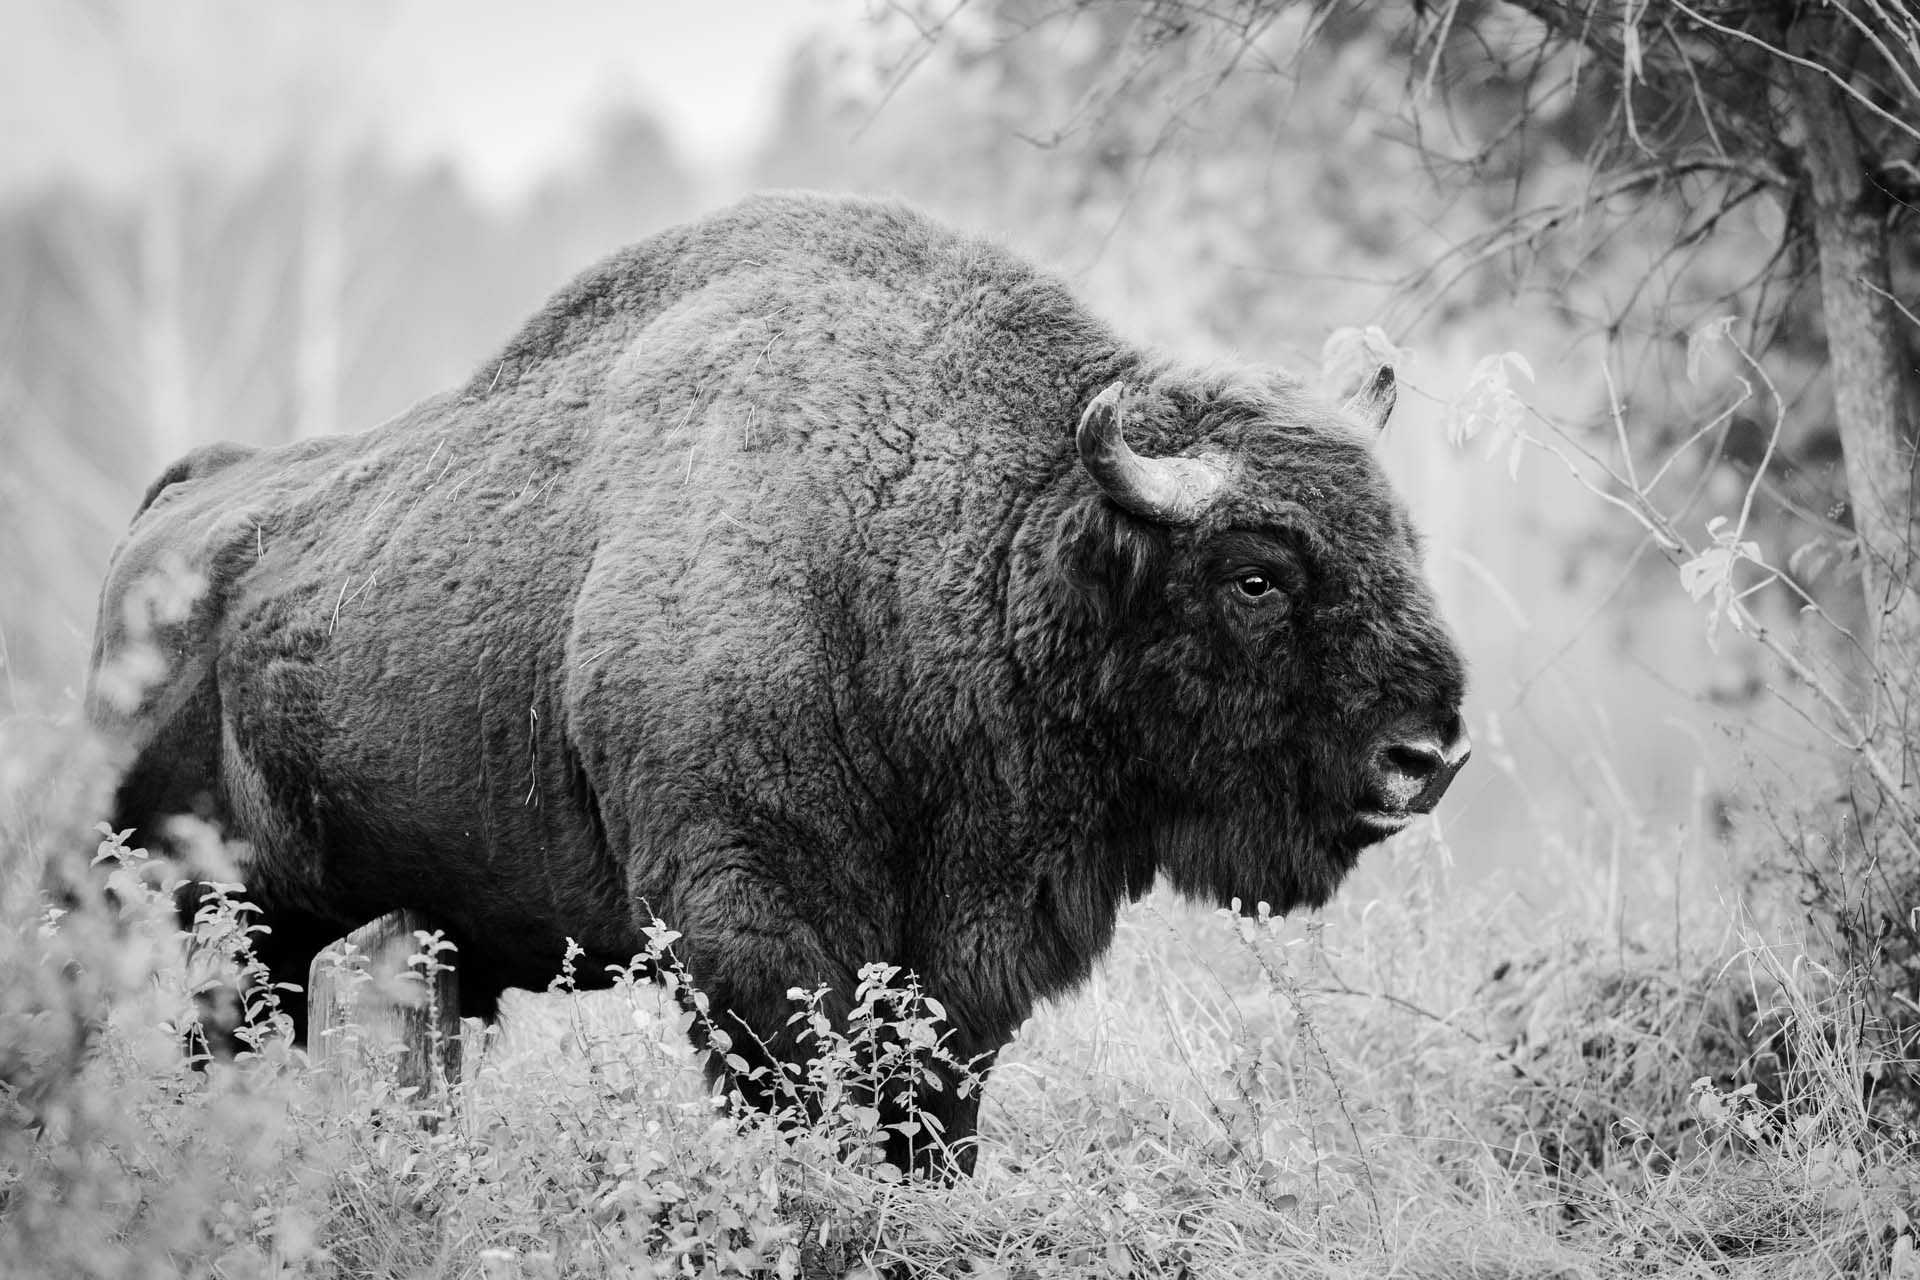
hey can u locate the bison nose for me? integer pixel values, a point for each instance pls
(1415, 769)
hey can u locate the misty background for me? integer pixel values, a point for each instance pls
(227, 220)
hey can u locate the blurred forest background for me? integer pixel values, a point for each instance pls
(220, 221)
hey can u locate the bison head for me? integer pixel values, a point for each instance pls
(1271, 659)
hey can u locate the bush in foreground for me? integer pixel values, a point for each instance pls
(1369, 1095)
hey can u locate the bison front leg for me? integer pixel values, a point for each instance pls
(947, 1093)
(868, 1078)
(861, 1046)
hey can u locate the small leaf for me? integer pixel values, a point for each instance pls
(1489, 403)
(1712, 572)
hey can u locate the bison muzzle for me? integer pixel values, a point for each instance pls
(820, 580)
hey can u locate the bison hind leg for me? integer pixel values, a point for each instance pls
(281, 943)
(481, 986)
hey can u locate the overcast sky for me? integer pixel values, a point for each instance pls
(101, 88)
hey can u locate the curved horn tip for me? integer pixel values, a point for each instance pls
(1102, 415)
(1373, 403)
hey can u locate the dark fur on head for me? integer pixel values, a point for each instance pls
(757, 584)
(1253, 725)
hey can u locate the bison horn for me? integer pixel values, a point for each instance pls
(1371, 405)
(1356, 368)
(1164, 490)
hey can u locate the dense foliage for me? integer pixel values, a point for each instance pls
(1418, 1085)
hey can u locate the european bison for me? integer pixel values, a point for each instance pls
(821, 580)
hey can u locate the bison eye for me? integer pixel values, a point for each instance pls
(1254, 585)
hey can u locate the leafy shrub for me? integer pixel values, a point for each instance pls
(1234, 1096)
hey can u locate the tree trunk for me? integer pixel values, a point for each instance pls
(373, 1012)
(1864, 354)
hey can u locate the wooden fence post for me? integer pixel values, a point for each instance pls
(367, 1007)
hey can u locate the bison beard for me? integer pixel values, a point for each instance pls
(823, 581)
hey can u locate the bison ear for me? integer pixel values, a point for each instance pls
(1107, 558)
(1356, 371)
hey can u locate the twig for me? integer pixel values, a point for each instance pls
(1809, 64)
(1280, 980)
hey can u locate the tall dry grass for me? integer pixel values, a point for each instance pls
(1428, 1080)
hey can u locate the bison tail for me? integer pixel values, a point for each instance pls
(204, 461)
